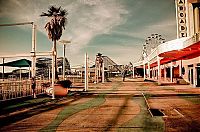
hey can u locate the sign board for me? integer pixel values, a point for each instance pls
(181, 18)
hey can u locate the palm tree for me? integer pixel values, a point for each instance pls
(55, 27)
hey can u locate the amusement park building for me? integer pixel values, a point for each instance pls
(177, 59)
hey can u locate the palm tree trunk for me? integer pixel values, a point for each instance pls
(55, 63)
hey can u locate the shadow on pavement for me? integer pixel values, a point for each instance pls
(30, 110)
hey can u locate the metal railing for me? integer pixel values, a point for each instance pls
(78, 79)
(18, 89)
(13, 89)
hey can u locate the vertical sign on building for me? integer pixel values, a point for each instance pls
(181, 18)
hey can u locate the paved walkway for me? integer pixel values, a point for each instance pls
(112, 106)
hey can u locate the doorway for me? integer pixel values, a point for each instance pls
(190, 74)
(198, 76)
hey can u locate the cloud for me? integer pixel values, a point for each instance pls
(87, 20)
(166, 27)
(124, 54)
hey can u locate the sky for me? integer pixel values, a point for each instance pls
(115, 28)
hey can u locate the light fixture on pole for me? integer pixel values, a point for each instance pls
(64, 42)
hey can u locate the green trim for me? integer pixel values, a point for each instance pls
(143, 122)
(70, 110)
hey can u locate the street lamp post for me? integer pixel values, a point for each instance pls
(33, 65)
(64, 42)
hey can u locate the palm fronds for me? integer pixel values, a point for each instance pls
(57, 24)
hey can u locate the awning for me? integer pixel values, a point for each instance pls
(174, 50)
(189, 52)
(178, 51)
(20, 63)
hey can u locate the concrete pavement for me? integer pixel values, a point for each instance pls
(112, 106)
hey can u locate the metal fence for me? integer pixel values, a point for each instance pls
(13, 89)
(18, 89)
(79, 79)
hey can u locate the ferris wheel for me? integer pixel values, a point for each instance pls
(151, 43)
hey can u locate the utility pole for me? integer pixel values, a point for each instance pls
(63, 69)
(3, 69)
(86, 72)
(33, 65)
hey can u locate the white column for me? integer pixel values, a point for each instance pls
(103, 75)
(171, 72)
(86, 72)
(144, 71)
(196, 19)
(194, 75)
(189, 19)
(33, 65)
(159, 71)
(99, 70)
(148, 69)
(63, 61)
